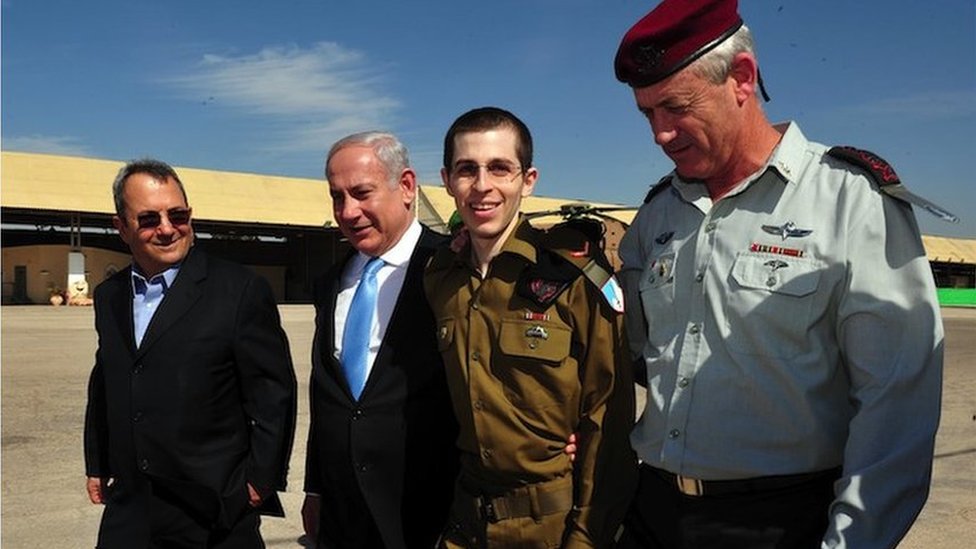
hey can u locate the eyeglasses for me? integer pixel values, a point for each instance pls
(497, 169)
(150, 220)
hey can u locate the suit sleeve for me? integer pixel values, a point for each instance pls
(605, 466)
(313, 474)
(890, 332)
(96, 427)
(268, 385)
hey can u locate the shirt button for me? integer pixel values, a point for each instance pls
(486, 453)
(357, 414)
(476, 356)
(699, 277)
(474, 305)
(137, 417)
(710, 227)
(479, 405)
(683, 382)
(674, 433)
(694, 329)
(137, 369)
(771, 281)
(143, 464)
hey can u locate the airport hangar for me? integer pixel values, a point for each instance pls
(57, 224)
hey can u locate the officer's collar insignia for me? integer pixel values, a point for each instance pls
(664, 237)
(787, 230)
(537, 332)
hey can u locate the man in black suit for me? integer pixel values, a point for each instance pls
(191, 403)
(381, 458)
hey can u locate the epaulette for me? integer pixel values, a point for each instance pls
(887, 180)
(664, 183)
(566, 251)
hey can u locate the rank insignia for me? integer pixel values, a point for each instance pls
(787, 230)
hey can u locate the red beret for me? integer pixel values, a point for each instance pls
(673, 35)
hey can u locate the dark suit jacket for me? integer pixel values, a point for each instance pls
(393, 452)
(203, 406)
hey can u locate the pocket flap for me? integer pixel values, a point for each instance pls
(539, 340)
(794, 276)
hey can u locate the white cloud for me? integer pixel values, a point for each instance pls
(52, 144)
(311, 96)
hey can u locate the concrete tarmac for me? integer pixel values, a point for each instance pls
(47, 354)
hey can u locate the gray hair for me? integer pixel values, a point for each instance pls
(715, 65)
(388, 149)
(156, 168)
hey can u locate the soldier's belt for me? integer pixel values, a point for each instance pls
(696, 487)
(535, 500)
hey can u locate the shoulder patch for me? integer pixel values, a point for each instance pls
(661, 185)
(880, 170)
(884, 175)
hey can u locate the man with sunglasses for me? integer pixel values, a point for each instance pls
(191, 403)
(533, 353)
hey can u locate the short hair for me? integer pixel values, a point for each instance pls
(716, 65)
(387, 148)
(156, 168)
(489, 118)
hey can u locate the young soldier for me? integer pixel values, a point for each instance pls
(534, 352)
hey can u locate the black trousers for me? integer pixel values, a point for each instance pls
(787, 517)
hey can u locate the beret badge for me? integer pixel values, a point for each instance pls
(647, 57)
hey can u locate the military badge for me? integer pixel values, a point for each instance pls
(787, 230)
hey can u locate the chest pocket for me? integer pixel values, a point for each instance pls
(533, 365)
(769, 304)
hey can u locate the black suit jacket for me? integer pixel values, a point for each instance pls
(205, 405)
(391, 454)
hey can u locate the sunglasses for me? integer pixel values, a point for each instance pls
(150, 220)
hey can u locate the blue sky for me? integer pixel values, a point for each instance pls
(265, 87)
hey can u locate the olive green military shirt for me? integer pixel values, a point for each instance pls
(534, 352)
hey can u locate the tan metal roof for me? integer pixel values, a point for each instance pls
(68, 183)
(950, 250)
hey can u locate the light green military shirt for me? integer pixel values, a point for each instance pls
(790, 327)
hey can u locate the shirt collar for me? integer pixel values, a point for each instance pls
(400, 253)
(139, 280)
(786, 160)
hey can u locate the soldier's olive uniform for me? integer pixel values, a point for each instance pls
(533, 353)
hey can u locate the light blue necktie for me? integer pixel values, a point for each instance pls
(359, 320)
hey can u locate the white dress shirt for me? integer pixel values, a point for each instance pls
(389, 282)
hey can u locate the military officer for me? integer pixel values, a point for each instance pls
(784, 309)
(534, 351)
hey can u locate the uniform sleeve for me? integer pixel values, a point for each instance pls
(268, 385)
(605, 466)
(890, 332)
